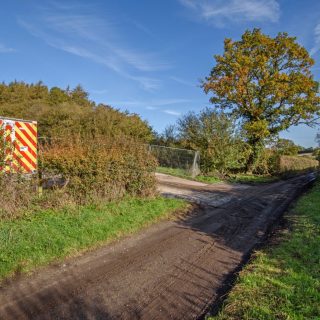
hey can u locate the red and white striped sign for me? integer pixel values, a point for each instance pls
(20, 145)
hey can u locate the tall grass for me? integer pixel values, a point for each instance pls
(292, 164)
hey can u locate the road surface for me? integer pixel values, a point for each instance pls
(171, 270)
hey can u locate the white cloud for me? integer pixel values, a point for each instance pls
(166, 102)
(151, 104)
(141, 27)
(106, 36)
(151, 108)
(220, 11)
(172, 112)
(149, 84)
(316, 46)
(182, 81)
(5, 49)
(92, 38)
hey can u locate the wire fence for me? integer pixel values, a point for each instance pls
(176, 161)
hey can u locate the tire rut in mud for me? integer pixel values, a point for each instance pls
(173, 270)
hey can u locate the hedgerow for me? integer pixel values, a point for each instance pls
(98, 168)
(292, 164)
(78, 172)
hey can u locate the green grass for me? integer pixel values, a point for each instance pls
(240, 178)
(207, 179)
(184, 174)
(283, 281)
(174, 172)
(252, 179)
(46, 236)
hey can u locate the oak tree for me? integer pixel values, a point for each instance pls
(266, 83)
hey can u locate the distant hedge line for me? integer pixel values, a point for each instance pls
(291, 164)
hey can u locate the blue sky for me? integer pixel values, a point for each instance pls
(145, 56)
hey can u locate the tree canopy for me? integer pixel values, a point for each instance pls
(266, 83)
(215, 136)
(68, 112)
(286, 147)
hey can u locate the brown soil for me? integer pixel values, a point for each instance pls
(172, 270)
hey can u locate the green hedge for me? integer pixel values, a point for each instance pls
(287, 164)
(100, 167)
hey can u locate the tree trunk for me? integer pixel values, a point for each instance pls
(256, 145)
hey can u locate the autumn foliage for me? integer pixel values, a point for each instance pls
(88, 153)
(266, 83)
(102, 168)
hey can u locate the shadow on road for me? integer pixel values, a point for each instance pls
(175, 270)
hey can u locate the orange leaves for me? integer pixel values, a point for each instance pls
(100, 167)
(265, 81)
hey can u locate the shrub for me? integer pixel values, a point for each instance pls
(17, 191)
(77, 172)
(216, 136)
(316, 153)
(62, 112)
(292, 164)
(266, 162)
(17, 194)
(99, 168)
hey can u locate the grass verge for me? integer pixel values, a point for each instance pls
(252, 179)
(184, 174)
(239, 178)
(174, 172)
(283, 281)
(46, 236)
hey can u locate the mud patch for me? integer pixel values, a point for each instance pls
(172, 270)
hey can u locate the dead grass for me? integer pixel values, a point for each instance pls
(296, 164)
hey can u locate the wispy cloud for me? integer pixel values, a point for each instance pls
(141, 27)
(155, 104)
(183, 81)
(151, 108)
(151, 104)
(91, 37)
(316, 46)
(5, 49)
(220, 11)
(172, 112)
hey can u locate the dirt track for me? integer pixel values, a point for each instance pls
(172, 270)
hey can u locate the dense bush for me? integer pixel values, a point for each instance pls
(291, 164)
(286, 147)
(16, 191)
(100, 168)
(316, 154)
(88, 152)
(17, 194)
(216, 137)
(80, 172)
(68, 112)
(265, 163)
